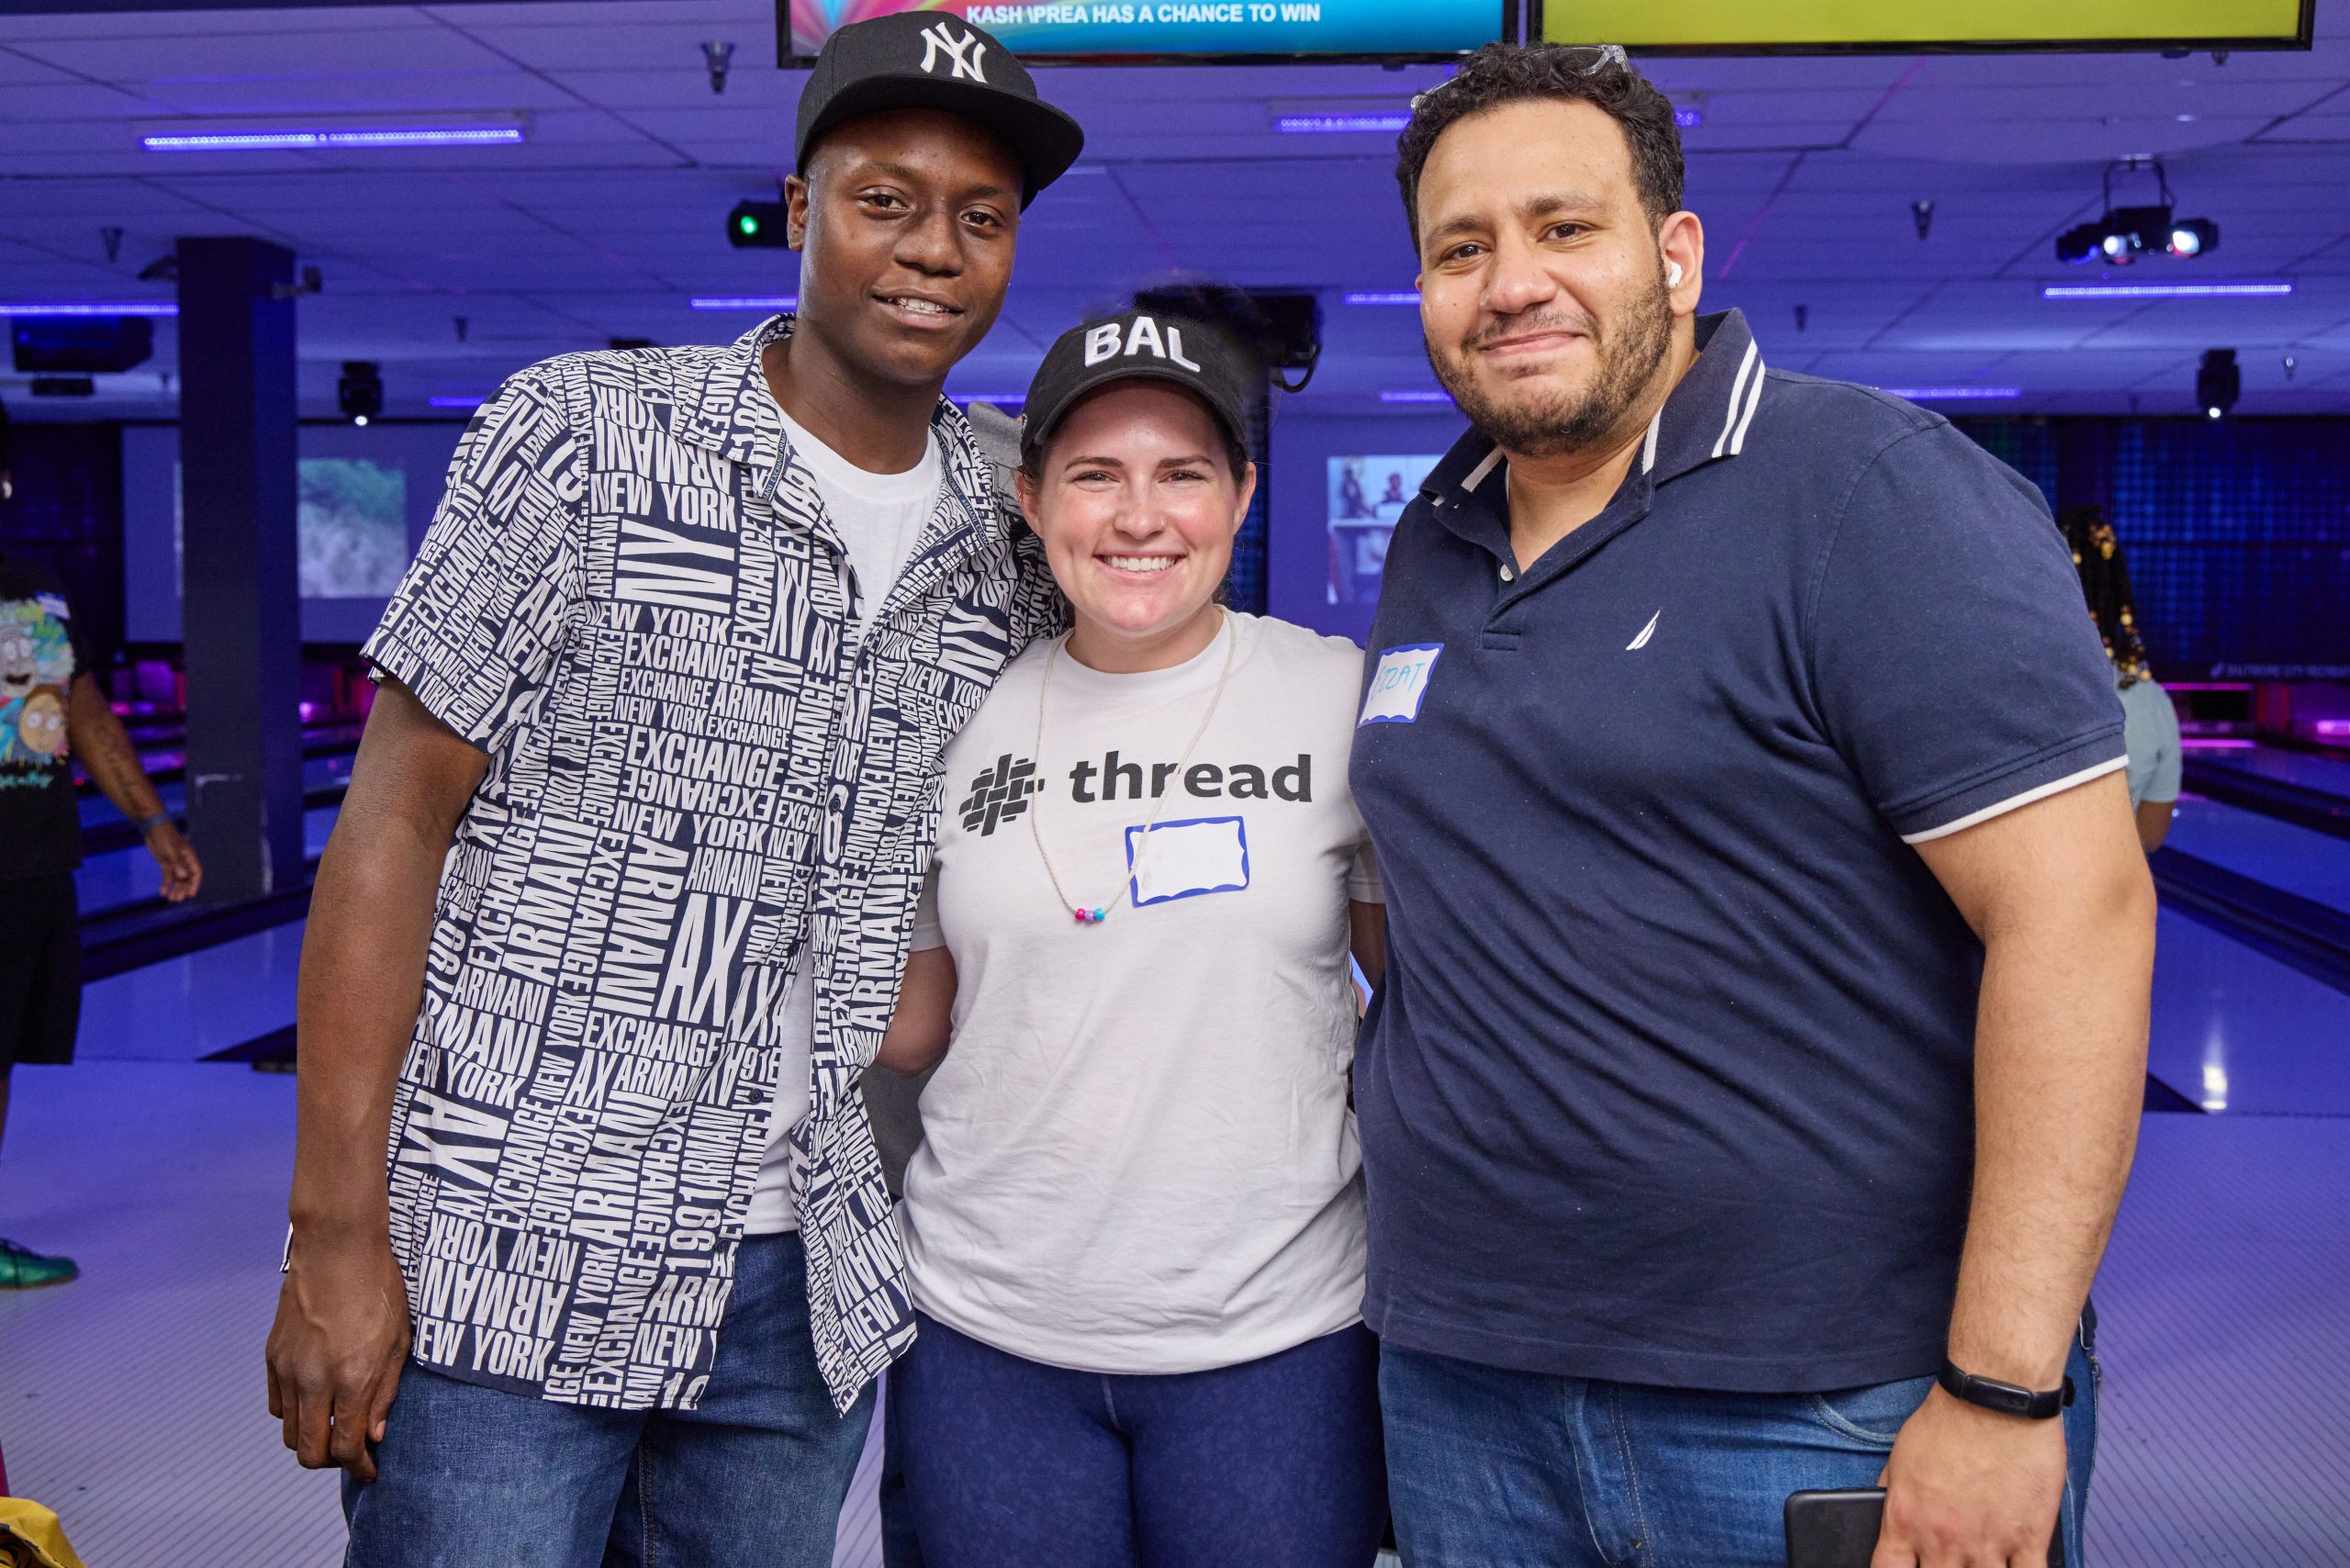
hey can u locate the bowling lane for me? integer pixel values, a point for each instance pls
(2297, 860)
(2236, 1031)
(2306, 770)
(120, 877)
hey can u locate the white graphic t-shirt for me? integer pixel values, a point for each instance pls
(879, 517)
(1138, 1154)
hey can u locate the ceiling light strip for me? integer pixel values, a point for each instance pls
(301, 141)
(746, 302)
(2165, 290)
(87, 307)
(1951, 394)
(1415, 397)
(1380, 296)
(1312, 125)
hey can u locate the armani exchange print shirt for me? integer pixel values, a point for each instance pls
(634, 600)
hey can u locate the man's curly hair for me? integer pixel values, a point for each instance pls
(1509, 73)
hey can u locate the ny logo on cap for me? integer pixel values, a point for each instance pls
(1105, 342)
(962, 54)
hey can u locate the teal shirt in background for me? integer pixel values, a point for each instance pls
(2150, 730)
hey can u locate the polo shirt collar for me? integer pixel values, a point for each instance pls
(1705, 418)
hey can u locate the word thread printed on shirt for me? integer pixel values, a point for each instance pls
(1400, 684)
(1185, 859)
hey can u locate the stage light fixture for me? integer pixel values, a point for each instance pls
(2194, 237)
(360, 392)
(2218, 383)
(759, 226)
(2122, 234)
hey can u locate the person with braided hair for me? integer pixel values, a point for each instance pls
(2151, 724)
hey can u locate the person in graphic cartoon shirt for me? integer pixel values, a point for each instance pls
(52, 714)
(1135, 1228)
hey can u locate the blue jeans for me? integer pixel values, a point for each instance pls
(1496, 1469)
(475, 1477)
(1010, 1463)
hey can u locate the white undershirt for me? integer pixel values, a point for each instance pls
(880, 517)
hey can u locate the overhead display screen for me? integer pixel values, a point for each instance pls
(1178, 31)
(1825, 26)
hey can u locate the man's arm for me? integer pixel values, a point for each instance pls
(2059, 893)
(2154, 824)
(342, 1332)
(96, 737)
(919, 1028)
(1367, 939)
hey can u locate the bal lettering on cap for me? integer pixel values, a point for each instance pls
(1103, 341)
(963, 54)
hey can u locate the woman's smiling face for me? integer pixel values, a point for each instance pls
(1137, 503)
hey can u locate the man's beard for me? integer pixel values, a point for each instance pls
(1567, 422)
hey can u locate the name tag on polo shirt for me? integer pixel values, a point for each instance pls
(1398, 684)
(1182, 861)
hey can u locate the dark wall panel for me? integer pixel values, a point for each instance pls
(68, 515)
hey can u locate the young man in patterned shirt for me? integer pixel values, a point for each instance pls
(673, 671)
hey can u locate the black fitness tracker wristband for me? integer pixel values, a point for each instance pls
(148, 824)
(2004, 1397)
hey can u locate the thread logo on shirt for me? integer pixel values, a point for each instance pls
(1000, 794)
(1637, 643)
(962, 54)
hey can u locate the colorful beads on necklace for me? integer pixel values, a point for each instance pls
(1091, 916)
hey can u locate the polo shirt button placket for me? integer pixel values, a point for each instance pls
(1509, 573)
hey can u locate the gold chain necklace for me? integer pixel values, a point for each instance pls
(1096, 913)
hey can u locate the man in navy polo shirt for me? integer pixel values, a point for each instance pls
(1763, 1032)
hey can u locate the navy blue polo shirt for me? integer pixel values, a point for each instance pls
(1670, 1080)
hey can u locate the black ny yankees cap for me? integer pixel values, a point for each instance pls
(935, 60)
(1196, 355)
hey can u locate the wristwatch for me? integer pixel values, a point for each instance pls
(2004, 1397)
(148, 824)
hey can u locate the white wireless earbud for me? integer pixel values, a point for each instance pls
(1673, 274)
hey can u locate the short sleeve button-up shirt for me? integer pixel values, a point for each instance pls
(633, 599)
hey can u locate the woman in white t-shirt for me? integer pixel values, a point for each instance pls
(1135, 1229)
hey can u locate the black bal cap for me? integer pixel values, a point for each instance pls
(1196, 355)
(933, 59)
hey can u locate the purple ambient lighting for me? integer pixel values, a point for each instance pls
(1308, 125)
(299, 141)
(1951, 394)
(1688, 118)
(746, 302)
(81, 307)
(1375, 296)
(2165, 290)
(1415, 397)
(455, 402)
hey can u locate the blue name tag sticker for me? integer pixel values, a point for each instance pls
(1185, 859)
(1400, 684)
